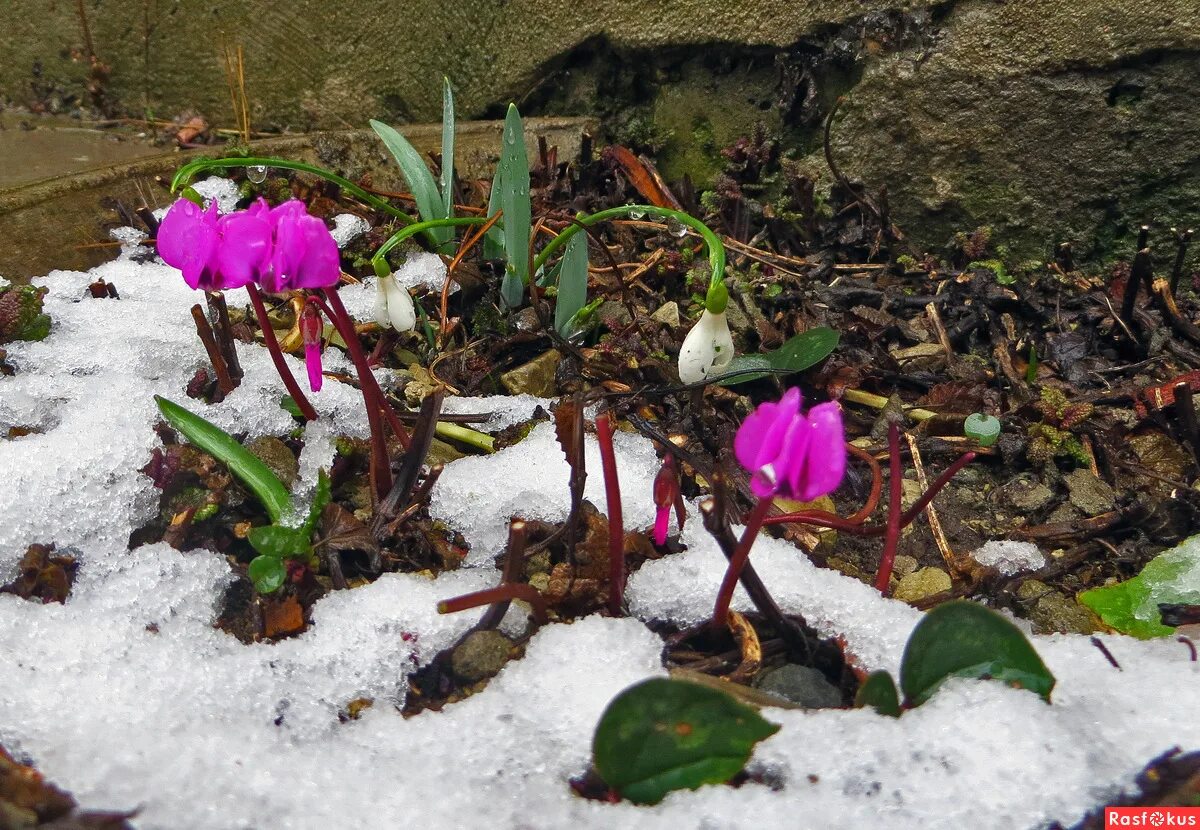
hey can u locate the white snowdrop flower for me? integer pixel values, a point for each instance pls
(393, 305)
(708, 348)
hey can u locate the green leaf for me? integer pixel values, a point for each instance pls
(513, 174)
(320, 498)
(420, 181)
(797, 354)
(280, 541)
(493, 240)
(288, 404)
(964, 639)
(1131, 607)
(216, 442)
(663, 735)
(268, 574)
(447, 149)
(572, 283)
(879, 692)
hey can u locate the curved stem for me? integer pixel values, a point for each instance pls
(716, 250)
(190, 169)
(421, 227)
(272, 343)
(616, 524)
(381, 471)
(892, 536)
(501, 593)
(734, 571)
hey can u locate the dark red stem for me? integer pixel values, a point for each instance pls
(501, 593)
(740, 556)
(285, 373)
(892, 535)
(616, 526)
(381, 472)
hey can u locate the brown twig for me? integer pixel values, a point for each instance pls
(225, 383)
(223, 330)
(281, 367)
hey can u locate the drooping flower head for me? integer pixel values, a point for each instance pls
(792, 453)
(666, 493)
(304, 253)
(394, 307)
(188, 239)
(707, 350)
(310, 332)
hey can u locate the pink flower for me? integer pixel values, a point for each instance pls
(245, 247)
(304, 254)
(791, 453)
(666, 493)
(188, 239)
(310, 331)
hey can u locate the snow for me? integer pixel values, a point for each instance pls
(502, 411)
(128, 696)
(347, 227)
(1010, 557)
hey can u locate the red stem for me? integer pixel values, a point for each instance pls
(501, 593)
(616, 525)
(380, 399)
(740, 556)
(285, 373)
(892, 536)
(381, 472)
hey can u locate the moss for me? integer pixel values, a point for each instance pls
(21, 316)
(996, 267)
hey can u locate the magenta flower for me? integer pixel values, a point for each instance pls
(304, 254)
(666, 493)
(245, 248)
(310, 331)
(188, 239)
(791, 453)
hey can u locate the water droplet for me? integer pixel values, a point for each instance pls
(256, 173)
(676, 228)
(637, 214)
(766, 477)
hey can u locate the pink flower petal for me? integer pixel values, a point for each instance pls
(825, 463)
(312, 361)
(761, 435)
(662, 519)
(245, 248)
(187, 239)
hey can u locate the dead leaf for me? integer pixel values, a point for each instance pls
(282, 617)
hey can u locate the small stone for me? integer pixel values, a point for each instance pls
(1026, 494)
(442, 453)
(904, 565)
(1056, 612)
(667, 314)
(480, 656)
(535, 377)
(613, 314)
(1089, 493)
(802, 685)
(1032, 589)
(277, 456)
(923, 583)
(1010, 557)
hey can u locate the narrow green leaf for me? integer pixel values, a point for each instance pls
(879, 692)
(493, 240)
(1131, 607)
(797, 354)
(420, 181)
(220, 444)
(320, 498)
(572, 283)
(514, 201)
(964, 639)
(662, 735)
(279, 541)
(268, 574)
(447, 149)
(288, 404)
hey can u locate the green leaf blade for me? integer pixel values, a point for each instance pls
(572, 284)
(279, 542)
(447, 149)
(424, 189)
(879, 692)
(801, 352)
(1131, 607)
(514, 201)
(662, 735)
(964, 639)
(256, 475)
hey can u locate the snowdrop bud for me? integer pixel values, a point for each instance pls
(707, 350)
(393, 305)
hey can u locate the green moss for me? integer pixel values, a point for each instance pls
(996, 267)
(21, 316)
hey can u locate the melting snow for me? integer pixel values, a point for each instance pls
(127, 696)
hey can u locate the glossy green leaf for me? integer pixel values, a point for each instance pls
(797, 354)
(447, 149)
(572, 283)
(256, 475)
(268, 573)
(514, 201)
(420, 181)
(879, 692)
(288, 404)
(279, 541)
(965, 639)
(1131, 607)
(663, 735)
(493, 240)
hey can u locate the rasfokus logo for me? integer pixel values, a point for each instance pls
(1152, 817)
